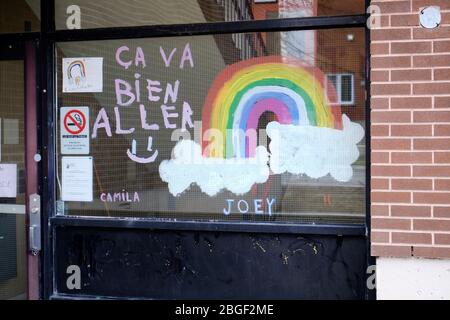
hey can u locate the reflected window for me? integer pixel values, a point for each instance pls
(344, 86)
(19, 16)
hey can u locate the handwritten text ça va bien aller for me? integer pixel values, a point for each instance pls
(166, 96)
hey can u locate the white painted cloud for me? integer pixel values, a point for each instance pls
(212, 175)
(314, 151)
(304, 149)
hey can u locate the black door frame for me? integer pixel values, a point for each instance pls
(47, 39)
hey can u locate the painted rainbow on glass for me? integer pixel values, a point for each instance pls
(242, 92)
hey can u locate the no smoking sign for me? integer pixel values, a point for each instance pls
(74, 121)
(74, 130)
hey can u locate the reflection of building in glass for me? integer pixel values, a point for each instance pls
(238, 46)
(339, 53)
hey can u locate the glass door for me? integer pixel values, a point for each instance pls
(13, 246)
(18, 172)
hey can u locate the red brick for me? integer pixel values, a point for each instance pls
(438, 33)
(385, 21)
(442, 60)
(390, 34)
(431, 116)
(442, 130)
(432, 144)
(391, 62)
(393, 6)
(412, 184)
(390, 251)
(411, 130)
(411, 75)
(441, 212)
(379, 184)
(442, 74)
(420, 4)
(442, 102)
(391, 224)
(380, 237)
(411, 238)
(442, 238)
(380, 76)
(404, 20)
(431, 171)
(445, 18)
(393, 89)
(411, 103)
(379, 210)
(410, 211)
(379, 48)
(442, 157)
(432, 88)
(379, 130)
(391, 197)
(431, 252)
(432, 198)
(391, 116)
(391, 144)
(410, 47)
(442, 184)
(379, 103)
(431, 224)
(412, 157)
(441, 46)
(390, 171)
(380, 157)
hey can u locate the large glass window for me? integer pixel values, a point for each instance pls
(75, 14)
(224, 127)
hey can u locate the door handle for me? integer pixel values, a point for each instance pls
(34, 231)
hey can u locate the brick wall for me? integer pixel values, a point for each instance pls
(410, 132)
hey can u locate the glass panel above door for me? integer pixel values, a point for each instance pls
(19, 16)
(86, 14)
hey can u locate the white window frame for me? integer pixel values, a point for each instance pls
(339, 89)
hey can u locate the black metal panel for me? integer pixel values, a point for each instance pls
(11, 50)
(164, 264)
(228, 226)
(46, 130)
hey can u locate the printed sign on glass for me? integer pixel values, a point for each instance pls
(74, 130)
(77, 179)
(8, 180)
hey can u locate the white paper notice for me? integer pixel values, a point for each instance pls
(8, 180)
(74, 130)
(77, 179)
(82, 74)
(11, 131)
